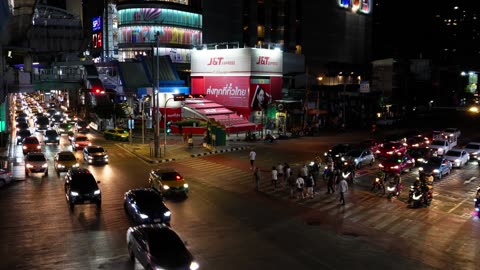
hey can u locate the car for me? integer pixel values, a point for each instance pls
(64, 128)
(22, 134)
(371, 144)
(5, 177)
(391, 149)
(20, 121)
(452, 132)
(64, 161)
(458, 157)
(415, 142)
(22, 125)
(51, 112)
(473, 149)
(146, 205)
(51, 136)
(359, 157)
(436, 166)
(157, 246)
(82, 188)
(31, 144)
(80, 141)
(36, 162)
(95, 154)
(338, 151)
(42, 124)
(397, 164)
(168, 181)
(57, 119)
(118, 134)
(421, 154)
(82, 127)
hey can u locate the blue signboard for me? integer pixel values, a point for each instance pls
(97, 23)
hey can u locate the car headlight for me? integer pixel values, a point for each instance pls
(89, 144)
(436, 171)
(380, 165)
(185, 185)
(390, 152)
(194, 265)
(96, 192)
(29, 166)
(420, 169)
(377, 152)
(60, 166)
(420, 160)
(457, 160)
(166, 187)
(76, 144)
(395, 167)
(75, 165)
(57, 138)
(90, 157)
(45, 165)
(18, 137)
(24, 147)
(167, 214)
(74, 193)
(143, 216)
(343, 159)
(39, 147)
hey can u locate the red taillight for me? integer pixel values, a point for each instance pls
(179, 178)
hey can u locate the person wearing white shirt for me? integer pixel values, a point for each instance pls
(300, 183)
(343, 187)
(274, 177)
(252, 157)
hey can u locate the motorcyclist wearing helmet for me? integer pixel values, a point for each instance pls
(398, 181)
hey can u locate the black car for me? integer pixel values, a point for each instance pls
(22, 134)
(57, 118)
(64, 128)
(145, 205)
(81, 188)
(82, 127)
(51, 136)
(421, 155)
(157, 246)
(22, 125)
(95, 155)
(338, 151)
(42, 124)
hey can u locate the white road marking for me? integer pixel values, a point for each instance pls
(469, 180)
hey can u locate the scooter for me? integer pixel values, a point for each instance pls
(419, 197)
(269, 138)
(348, 173)
(477, 202)
(393, 190)
(377, 185)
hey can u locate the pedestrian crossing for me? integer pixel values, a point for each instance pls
(362, 207)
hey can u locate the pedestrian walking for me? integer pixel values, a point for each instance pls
(291, 185)
(281, 176)
(330, 182)
(304, 171)
(287, 170)
(309, 183)
(252, 155)
(185, 138)
(300, 183)
(274, 177)
(343, 188)
(257, 177)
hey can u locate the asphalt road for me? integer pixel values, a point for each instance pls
(227, 225)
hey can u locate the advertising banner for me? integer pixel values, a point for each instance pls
(168, 35)
(230, 91)
(221, 61)
(173, 114)
(266, 61)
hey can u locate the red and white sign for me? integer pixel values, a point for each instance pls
(173, 114)
(230, 91)
(213, 111)
(243, 60)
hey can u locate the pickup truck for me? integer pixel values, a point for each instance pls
(442, 146)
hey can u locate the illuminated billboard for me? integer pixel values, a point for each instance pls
(362, 6)
(97, 23)
(167, 35)
(159, 16)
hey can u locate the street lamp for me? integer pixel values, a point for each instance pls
(145, 99)
(156, 137)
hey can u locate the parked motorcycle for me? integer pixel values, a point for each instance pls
(269, 138)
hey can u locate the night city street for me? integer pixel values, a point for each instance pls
(227, 225)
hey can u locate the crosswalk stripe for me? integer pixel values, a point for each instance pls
(357, 209)
(327, 207)
(362, 215)
(371, 221)
(399, 226)
(387, 221)
(412, 230)
(339, 209)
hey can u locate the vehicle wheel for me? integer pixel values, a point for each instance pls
(130, 253)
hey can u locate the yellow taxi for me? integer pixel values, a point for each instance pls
(118, 134)
(168, 181)
(64, 161)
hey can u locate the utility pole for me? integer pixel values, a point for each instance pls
(156, 102)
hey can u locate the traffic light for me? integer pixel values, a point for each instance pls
(97, 91)
(169, 128)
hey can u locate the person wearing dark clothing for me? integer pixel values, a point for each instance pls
(330, 182)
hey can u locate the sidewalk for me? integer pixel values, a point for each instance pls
(176, 149)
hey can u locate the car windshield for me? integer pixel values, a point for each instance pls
(31, 140)
(473, 146)
(453, 153)
(394, 159)
(83, 183)
(435, 161)
(24, 132)
(36, 158)
(96, 150)
(170, 176)
(81, 139)
(66, 157)
(168, 248)
(120, 131)
(354, 153)
(51, 133)
(148, 199)
(436, 142)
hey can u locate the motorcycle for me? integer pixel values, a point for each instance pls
(250, 137)
(348, 173)
(269, 138)
(393, 189)
(377, 185)
(477, 202)
(419, 197)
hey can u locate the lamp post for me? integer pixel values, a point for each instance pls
(165, 125)
(155, 99)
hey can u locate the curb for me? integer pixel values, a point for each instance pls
(161, 160)
(219, 151)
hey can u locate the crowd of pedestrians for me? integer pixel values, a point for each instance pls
(301, 183)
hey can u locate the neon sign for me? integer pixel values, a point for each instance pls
(362, 6)
(97, 23)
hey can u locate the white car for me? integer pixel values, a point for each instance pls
(5, 177)
(473, 149)
(452, 132)
(458, 157)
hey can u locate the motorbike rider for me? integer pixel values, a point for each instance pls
(426, 190)
(477, 200)
(398, 182)
(381, 176)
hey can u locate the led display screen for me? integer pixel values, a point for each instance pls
(97, 23)
(159, 16)
(167, 35)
